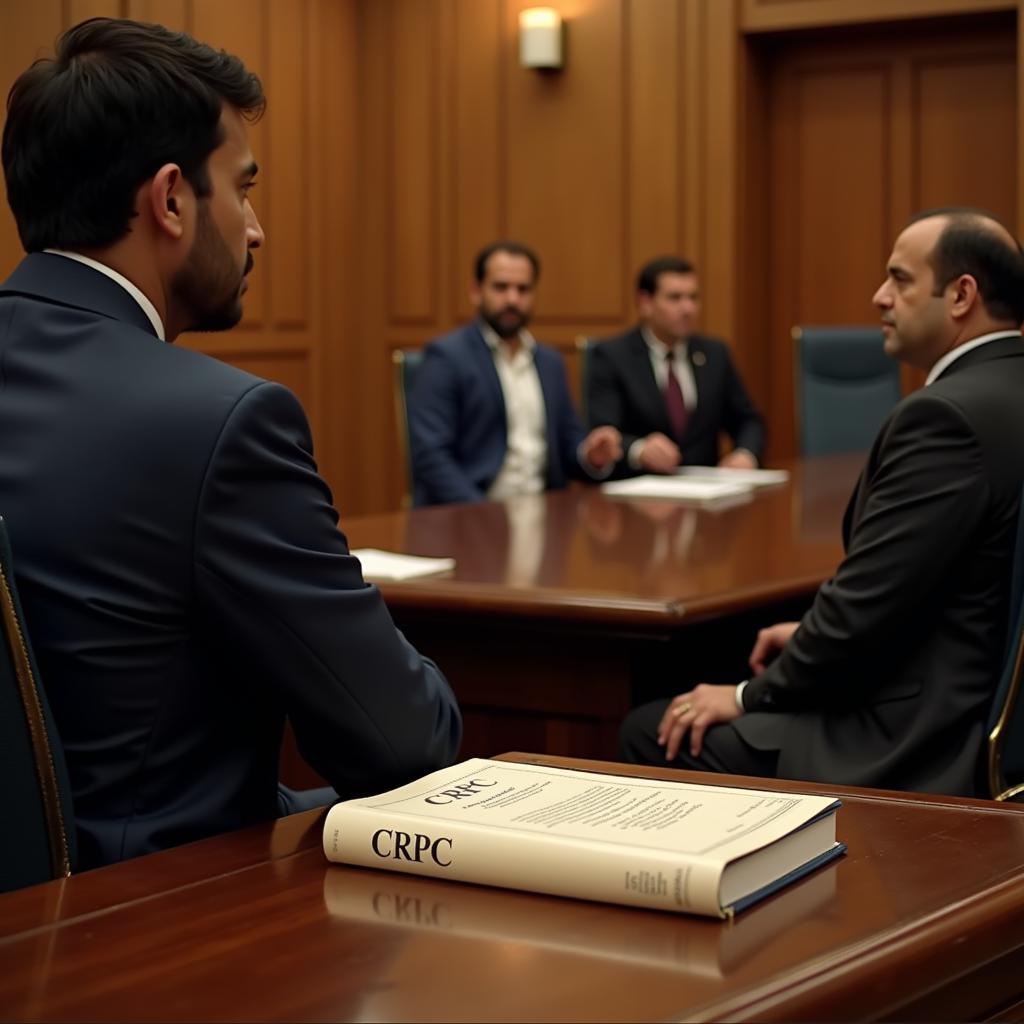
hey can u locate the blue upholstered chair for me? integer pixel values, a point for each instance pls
(1006, 720)
(846, 386)
(39, 827)
(407, 363)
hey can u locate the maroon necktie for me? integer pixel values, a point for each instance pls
(677, 414)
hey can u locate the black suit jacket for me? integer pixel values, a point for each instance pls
(622, 390)
(183, 578)
(890, 676)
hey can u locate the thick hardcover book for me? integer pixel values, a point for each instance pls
(677, 846)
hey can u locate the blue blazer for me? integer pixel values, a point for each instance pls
(184, 581)
(457, 420)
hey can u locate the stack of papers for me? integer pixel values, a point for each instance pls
(679, 488)
(752, 477)
(388, 565)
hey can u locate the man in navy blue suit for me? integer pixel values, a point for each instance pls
(490, 415)
(672, 392)
(183, 578)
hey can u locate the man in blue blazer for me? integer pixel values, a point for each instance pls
(672, 392)
(184, 582)
(490, 415)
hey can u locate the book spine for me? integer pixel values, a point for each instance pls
(516, 859)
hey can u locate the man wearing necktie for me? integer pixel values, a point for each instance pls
(670, 391)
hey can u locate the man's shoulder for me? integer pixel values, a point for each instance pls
(456, 342)
(615, 343)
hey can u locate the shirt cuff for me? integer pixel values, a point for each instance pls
(636, 451)
(739, 694)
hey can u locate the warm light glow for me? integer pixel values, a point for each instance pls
(540, 38)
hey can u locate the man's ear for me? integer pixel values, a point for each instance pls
(168, 197)
(965, 294)
(643, 304)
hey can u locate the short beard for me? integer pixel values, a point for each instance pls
(207, 288)
(493, 320)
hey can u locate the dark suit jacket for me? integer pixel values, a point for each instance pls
(184, 582)
(458, 423)
(622, 390)
(890, 676)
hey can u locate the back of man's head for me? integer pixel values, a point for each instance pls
(88, 127)
(977, 243)
(647, 279)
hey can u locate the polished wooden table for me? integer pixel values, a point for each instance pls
(923, 919)
(566, 609)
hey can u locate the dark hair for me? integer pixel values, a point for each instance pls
(118, 100)
(647, 279)
(971, 243)
(507, 246)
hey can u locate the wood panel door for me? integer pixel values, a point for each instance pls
(865, 128)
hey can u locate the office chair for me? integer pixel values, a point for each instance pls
(846, 386)
(39, 827)
(407, 363)
(1005, 748)
(584, 345)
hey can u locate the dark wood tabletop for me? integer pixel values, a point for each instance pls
(923, 919)
(580, 555)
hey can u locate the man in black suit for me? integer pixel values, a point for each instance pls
(184, 581)
(671, 392)
(889, 677)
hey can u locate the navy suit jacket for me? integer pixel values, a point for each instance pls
(458, 424)
(890, 677)
(183, 579)
(622, 390)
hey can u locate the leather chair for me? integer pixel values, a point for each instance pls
(846, 386)
(1005, 749)
(584, 345)
(39, 827)
(407, 363)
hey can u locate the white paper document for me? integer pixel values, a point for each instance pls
(680, 488)
(752, 477)
(389, 565)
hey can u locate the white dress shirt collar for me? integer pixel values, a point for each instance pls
(147, 307)
(953, 355)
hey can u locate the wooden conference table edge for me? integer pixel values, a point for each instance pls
(904, 948)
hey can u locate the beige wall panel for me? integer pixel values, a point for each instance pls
(412, 161)
(772, 15)
(172, 13)
(974, 101)
(285, 205)
(478, 174)
(564, 149)
(28, 30)
(654, 143)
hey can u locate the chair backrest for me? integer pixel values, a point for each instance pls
(1006, 720)
(406, 362)
(583, 347)
(39, 831)
(846, 386)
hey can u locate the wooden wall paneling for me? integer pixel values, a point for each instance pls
(958, 99)
(171, 13)
(692, 78)
(719, 179)
(776, 15)
(28, 31)
(412, 162)
(655, 194)
(565, 155)
(335, 281)
(80, 10)
(1020, 119)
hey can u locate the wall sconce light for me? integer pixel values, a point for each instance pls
(540, 38)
